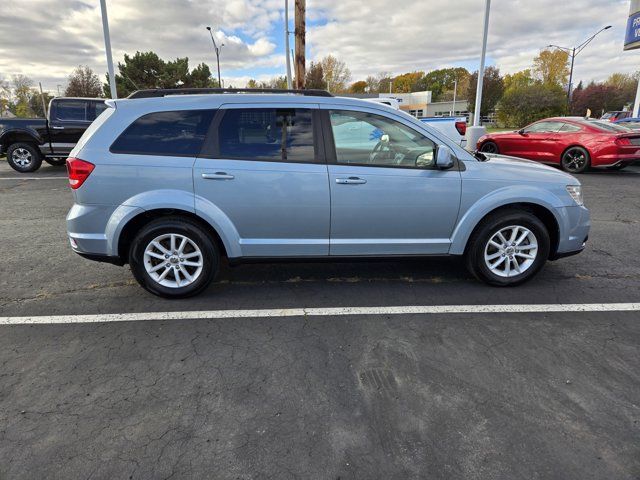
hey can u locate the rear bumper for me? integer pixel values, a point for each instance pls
(94, 230)
(618, 158)
(101, 258)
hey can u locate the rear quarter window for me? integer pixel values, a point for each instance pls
(174, 133)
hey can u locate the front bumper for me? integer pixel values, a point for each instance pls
(575, 223)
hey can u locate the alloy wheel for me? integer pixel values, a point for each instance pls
(574, 160)
(511, 251)
(173, 260)
(21, 156)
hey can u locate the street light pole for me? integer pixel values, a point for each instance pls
(476, 131)
(107, 46)
(476, 113)
(573, 53)
(217, 50)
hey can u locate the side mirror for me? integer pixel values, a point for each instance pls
(444, 158)
(521, 131)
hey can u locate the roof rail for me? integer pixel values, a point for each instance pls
(163, 92)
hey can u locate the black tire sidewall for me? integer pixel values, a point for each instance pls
(211, 256)
(475, 254)
(35, 155)
(495, 145)
(586, 166)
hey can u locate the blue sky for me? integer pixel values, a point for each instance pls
(371, 36)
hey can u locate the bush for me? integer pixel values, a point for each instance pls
(522, 105)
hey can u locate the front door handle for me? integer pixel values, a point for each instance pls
(57, 127)
(217, 176)
(350, 181)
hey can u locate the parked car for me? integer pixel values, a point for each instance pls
(630, 122)
(573, 143)
(172, 182)
(453, 127)
(615, 115)
(28, 141)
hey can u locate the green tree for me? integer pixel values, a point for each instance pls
(22, 92)
(36, 104)
(83, 83)
(358, 87)
(335, 73)
(408, 82)
(441, 82)
(314, 78)
(148, 70)
(519, 79)
(524, 103)
(552, 67)
(492, 90)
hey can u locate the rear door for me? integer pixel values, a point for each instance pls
(69, 119)
(387, 197)
(264, 169)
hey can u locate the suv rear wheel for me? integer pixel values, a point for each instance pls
(508, 248)
(24, 157)
(173, 257)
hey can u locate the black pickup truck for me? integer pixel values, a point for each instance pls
(28, 141)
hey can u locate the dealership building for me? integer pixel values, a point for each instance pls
(419, 104)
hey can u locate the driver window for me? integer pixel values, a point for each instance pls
(369, 139)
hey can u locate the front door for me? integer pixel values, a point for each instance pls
(387, 197)
(264, 170)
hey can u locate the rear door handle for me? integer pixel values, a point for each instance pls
(217, 176)
(57, 127)
(350, 181)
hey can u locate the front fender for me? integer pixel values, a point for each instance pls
(500, 198)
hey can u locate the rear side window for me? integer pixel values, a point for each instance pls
(71, 111)
(177, 133)
(266, 134)
(567, 127)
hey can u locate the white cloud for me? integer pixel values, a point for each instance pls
(371, 36)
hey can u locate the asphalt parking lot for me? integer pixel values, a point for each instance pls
(393, 395)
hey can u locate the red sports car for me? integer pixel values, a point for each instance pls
(574, 143)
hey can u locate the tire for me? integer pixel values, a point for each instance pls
(144, 257)
(24, 157)
(505, 222)
(56, 162)
(489, 147)
(575, 160)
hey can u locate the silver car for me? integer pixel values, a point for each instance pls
(169, 181)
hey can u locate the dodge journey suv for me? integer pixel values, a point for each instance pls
(169, 181)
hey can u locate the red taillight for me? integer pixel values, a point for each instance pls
(461, 127)
(78, 171)
(623, 141)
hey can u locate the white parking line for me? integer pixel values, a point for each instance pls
(34, 178)
(323, 312)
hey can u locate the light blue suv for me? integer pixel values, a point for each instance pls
(169, 181)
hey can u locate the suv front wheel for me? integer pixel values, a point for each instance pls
(173, 258)
(508, 248)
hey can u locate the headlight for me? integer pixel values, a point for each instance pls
(576, 193)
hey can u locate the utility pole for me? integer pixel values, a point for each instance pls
(286, 43)
(107, 46)
(300, 42)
